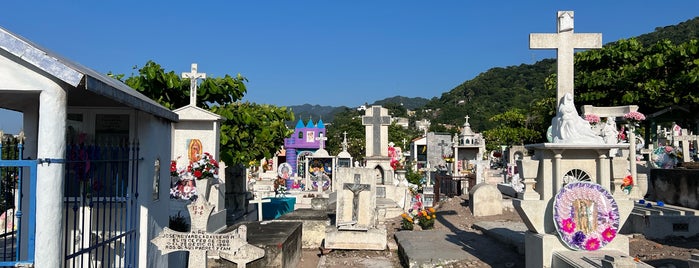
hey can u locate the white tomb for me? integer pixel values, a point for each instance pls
(196, 134)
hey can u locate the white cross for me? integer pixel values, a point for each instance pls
(193, 77)
(565, 42)
(232, 246)
(259, 202)
(322, 140)
(344, 141)
(467, 117)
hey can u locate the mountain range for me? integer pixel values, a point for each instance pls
(493, 91)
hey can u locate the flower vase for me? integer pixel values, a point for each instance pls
(204, 187)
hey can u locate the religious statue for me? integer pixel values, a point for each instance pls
(569, 127)
(609, 132)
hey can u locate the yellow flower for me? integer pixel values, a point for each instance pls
(431, 209)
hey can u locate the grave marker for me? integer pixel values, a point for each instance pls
(356, 188)
(193, 77)
(231, 246)
(565, 42)
(259, 202)
(376, 121)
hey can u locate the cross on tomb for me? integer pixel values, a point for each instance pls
(259, 202)
(193, 78)
(443, 144)
(375, 122)
(231, 246)
(356, 188)
(344, 141)
(565, 42)
(321, 138)
(685, 140)
(467, 117)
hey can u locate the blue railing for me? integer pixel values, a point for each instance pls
(14, 172)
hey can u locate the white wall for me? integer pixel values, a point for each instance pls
(154, 136)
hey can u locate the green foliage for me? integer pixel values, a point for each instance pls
(512, 129)
(248, 132)
(654, 77)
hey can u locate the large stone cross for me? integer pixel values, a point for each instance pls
(193, 78)
(376, 121)
(356, 188)
(565, 42)
(232, 246)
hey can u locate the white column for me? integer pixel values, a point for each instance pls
(50, 178)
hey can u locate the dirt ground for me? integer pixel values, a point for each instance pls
(454, 215)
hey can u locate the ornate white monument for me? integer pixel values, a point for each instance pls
(577, 160)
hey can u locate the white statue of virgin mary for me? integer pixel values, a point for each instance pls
(569, 127)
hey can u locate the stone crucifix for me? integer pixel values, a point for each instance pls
(565, 42)
(356, 188)
(193, 76)
(376, 121)
(344, 141)
(231, 246)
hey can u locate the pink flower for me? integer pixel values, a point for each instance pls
(592, 118)
(635, 116)
(592, 244)
(608, 234)
(568, 225)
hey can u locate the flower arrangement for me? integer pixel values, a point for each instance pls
(627, 184)
(426, 217)
(634, 117)
(586, 216)
(406, 222)
(185, 185)
(205, 168)
(592, 118)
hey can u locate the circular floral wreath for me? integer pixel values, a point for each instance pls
(586, 216)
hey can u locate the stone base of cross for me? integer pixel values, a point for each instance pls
(230, 246)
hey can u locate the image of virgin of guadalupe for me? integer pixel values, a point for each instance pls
(585, 215)
(194, 150)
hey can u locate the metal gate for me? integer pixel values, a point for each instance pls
(16, 231)
(101, 205)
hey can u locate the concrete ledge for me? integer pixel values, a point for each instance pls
(372, 239)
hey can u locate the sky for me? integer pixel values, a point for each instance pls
(335, 53)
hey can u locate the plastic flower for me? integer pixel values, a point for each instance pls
(628, 180)
(578, 238)
(592, 118)
(635, 116)
(608, 234)
(568, 225)
(592, 244)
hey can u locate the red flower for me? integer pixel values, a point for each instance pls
(608, 234)
(197, 173)
(568, 225)
(592, 244)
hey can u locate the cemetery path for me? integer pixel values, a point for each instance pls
(454, 216)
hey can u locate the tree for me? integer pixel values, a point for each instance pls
(627, 72)
(249, 131)
(511, 129)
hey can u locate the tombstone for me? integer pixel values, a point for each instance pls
(376, 122)
(572, 159)
(485, 200)
(356, 220)
(231, 246)
(195, 135)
